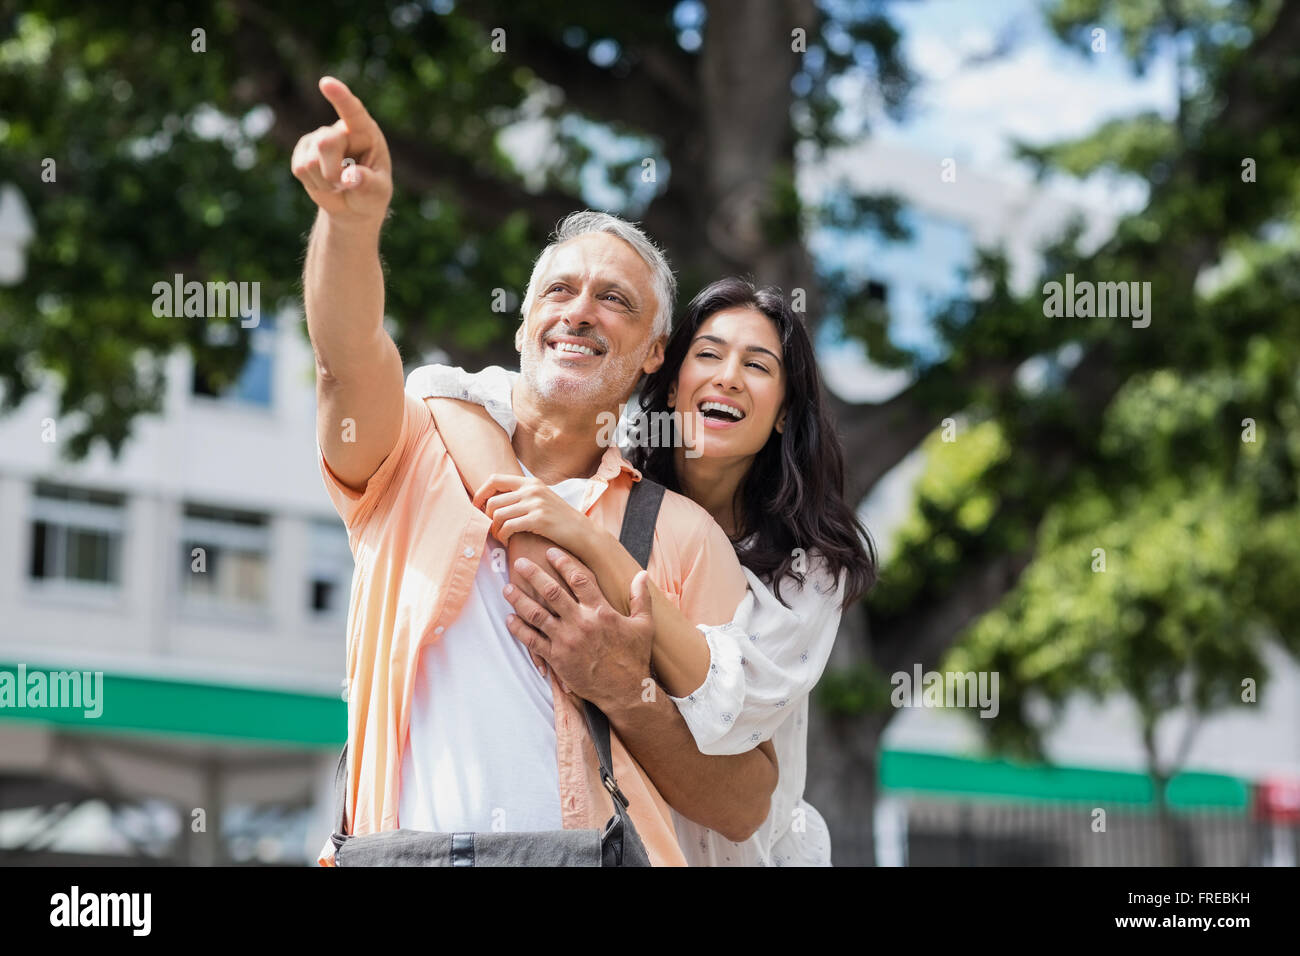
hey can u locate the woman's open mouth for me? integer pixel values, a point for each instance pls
(720, 414)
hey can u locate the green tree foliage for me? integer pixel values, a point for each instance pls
(1177, 453)
(171, 159)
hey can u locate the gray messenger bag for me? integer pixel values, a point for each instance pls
(618, 844)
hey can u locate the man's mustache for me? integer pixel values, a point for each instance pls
(596, 340)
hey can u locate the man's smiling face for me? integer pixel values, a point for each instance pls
(589, 335)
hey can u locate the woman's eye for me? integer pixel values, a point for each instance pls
(757, 365)
(706, 355)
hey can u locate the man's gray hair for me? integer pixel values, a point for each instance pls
(588, 221)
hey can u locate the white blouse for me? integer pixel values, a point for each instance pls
(763, 665)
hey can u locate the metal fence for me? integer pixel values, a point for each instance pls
(974, 833)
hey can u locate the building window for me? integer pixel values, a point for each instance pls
(253, 386)
(76, 535)
(330, 570)
(226, 558)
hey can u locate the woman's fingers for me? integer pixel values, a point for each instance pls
(509, 519)
(496, 484)
(500, 500)
(504, 531)
(506, 510)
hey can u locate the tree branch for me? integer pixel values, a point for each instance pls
(925, 632)
(876, 437)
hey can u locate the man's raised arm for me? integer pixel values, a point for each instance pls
(358, 368)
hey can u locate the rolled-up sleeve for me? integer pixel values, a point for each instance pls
(356, 507)
(762, 661)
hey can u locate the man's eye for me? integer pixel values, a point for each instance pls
(617, 299)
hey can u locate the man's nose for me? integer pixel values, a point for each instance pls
(581, 312)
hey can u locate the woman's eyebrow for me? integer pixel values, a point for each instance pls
(748, 348)
(759, 348)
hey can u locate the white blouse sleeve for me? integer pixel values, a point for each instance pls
(763, 661)
(490, 388)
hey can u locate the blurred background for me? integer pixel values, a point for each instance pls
(1106, 516)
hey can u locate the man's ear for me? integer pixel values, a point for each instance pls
(655, 359)
(519, 337)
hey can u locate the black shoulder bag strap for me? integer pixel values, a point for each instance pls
(622, 844)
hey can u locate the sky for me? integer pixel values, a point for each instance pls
(1041, 91)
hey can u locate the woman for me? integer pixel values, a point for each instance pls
(763, 459)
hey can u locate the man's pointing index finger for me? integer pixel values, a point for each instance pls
(345, 103)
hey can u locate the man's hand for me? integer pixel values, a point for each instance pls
(358, 191)
(596, 652)
(530, 546)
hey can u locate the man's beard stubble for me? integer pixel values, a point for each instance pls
(616, 377)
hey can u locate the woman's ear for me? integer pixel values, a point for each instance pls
(672, 394)
(780, 423)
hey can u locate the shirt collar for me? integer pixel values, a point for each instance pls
(612, 463)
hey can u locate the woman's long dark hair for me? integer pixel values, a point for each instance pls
(793, 495)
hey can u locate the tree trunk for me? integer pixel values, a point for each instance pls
(844, 758)
(745, 147)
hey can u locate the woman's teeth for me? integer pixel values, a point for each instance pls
(729, 410)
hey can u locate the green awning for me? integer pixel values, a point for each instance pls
(151, 705)
(964, 776)
(148, 705)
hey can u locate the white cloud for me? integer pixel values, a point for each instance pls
(1040, 91)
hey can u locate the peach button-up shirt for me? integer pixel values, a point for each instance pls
(417, 541)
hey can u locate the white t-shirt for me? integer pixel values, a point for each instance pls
(480, 749)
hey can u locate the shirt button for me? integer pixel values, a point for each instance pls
(469, 552)
(439, 629)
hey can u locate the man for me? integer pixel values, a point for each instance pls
(450, 726)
